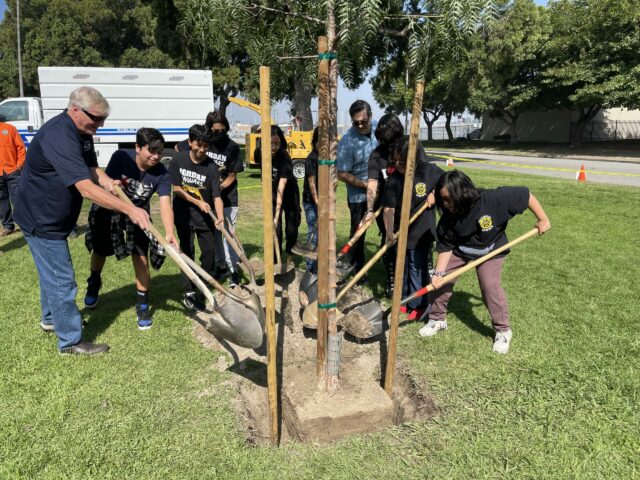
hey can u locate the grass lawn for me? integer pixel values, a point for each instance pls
(563, 404)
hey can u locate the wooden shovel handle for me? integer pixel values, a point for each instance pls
(276, 244)
(456, 273)
(379, 254)
(173, 253)
(358, 234)
(235, 245)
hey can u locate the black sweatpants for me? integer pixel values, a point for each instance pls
(206, 238)
(292, 217)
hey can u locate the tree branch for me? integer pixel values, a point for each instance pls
(288, 13)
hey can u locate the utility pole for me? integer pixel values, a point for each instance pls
(19, 48)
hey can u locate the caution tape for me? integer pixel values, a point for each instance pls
(532, 167)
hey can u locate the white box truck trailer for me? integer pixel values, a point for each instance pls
(169, 100)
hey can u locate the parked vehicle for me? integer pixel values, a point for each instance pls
(474, 134)
(169, 100)
(298, 142)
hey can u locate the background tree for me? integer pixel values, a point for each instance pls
(507, 64)
(69, 33)
(592, 58)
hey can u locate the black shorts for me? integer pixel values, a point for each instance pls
(101, 236)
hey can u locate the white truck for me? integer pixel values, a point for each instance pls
(169, 100)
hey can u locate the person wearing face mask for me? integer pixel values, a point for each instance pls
(196, 187)
(225, 153)
(285, 191)
(141, 174)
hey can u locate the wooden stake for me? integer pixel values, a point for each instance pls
(402, 240)
(267, 218)
(323, 213)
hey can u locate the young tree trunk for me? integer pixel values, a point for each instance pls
(586, 115)
(302, 104)
(447, 125)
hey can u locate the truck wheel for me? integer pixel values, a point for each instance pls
(298, 169)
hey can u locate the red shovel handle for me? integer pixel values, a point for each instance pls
(456, 273)
(359, 233)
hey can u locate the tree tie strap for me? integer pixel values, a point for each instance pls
(326, 162)
(327, 56)
(326, 306)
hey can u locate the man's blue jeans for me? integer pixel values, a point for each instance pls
(58, 288)
(311, 215)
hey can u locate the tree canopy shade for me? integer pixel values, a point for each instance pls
(68, 33)
(507, 62)
(592, 59)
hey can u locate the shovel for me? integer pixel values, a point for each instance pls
(241, 319)
(373, 314)
(237, 326)
(237, 247)
(310, 314)
(279, 268)
(308, 289)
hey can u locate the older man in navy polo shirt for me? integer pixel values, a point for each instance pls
(60, 170)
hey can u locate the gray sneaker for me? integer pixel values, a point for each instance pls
(47, 327)
(432, 327)
(502, 341)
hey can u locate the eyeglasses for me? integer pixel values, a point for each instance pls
(360, 123)
(94, 118)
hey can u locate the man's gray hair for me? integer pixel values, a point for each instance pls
(87, 97)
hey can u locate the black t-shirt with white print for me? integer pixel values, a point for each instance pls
(226, 155)
(138, 185)
(482, 230)
(424, 181)
(201, 181)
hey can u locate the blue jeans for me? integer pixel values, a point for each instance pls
(58, 288)
(416, 275)
(311, 215)
(225, 255)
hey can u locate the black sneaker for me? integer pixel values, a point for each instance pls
(93, 289)
(192, 302)
(144, 317)
(236, 279)
(221, 274)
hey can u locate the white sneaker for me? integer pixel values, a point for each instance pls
(502, 341)
(432, 327)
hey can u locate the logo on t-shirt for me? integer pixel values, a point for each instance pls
(421, 189)
(219, 159)
(87, 146)
(486, 223)
(135, 189)
(5, 132)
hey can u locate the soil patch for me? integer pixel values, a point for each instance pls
(304, 413)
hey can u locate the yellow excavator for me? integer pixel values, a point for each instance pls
(298, 142)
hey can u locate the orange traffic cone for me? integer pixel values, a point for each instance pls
(582, 174)
(449, 162)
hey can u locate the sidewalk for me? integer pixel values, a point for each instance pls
(602, 151)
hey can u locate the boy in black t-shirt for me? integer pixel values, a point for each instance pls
(473, 224)
(225, 153)
(196, 186)
(422, 231)
(141, 174)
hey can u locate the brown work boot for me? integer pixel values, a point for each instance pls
(6, 232)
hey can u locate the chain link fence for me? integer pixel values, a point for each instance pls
(610, 131)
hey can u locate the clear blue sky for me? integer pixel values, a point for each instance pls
(346, 97)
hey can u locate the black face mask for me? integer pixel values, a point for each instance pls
(219, 137)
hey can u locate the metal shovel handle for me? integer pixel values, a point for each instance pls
(173, 253)
(459, 271)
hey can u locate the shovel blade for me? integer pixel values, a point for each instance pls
(239, 324)
(308, 288)
(365, 321)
